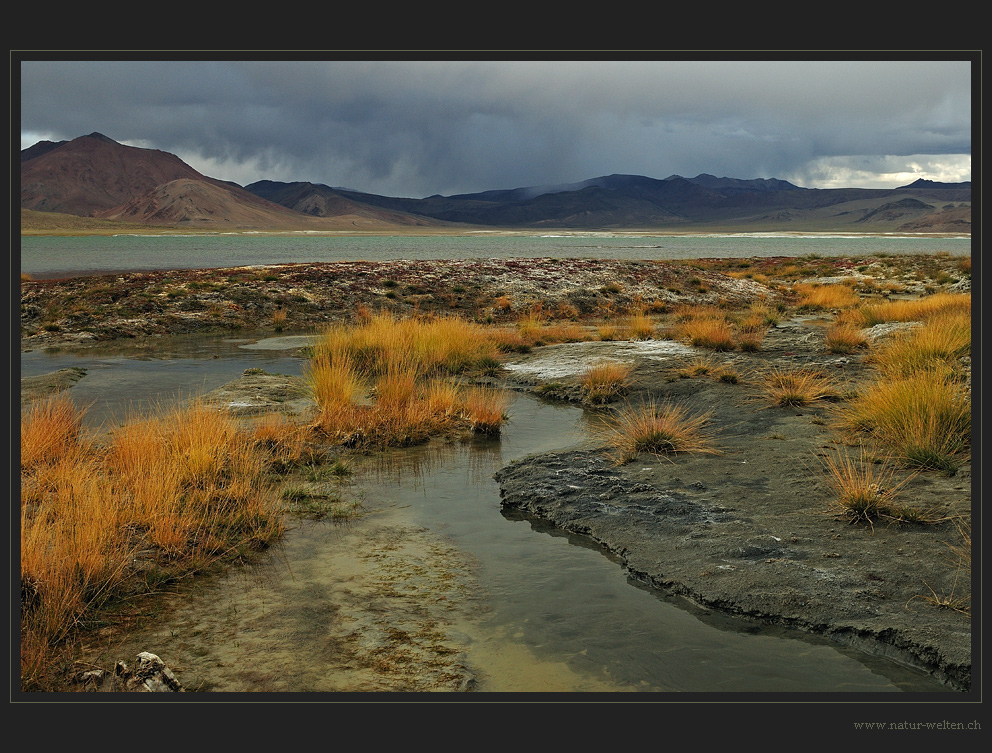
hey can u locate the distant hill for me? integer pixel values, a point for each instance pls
(96, 177)
(673, 203)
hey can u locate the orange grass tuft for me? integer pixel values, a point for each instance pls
(605, 381)
(923, 420)
(791, 387)
(485, 409)
(656, 428)
(816, 297)
(182, 487)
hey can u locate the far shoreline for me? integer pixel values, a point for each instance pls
(524, 232)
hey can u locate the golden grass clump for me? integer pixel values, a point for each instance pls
(758, 317)
(286, 441)
(844, 338)
(706, 329)
(183, 487)
(535, 329)
(919, 409)
(923, 419)
(605, 381)
(444, 399)
(910, 309)
(609, 331)
(334, 385)
(816, 297)
(532, 328)
(638, 325)
(441, 344)
(697, 366)
(864, 490)
(793, 387)
(750, 342)
(380, 382)
(485, 409)
(657, 428)
(75, 549)
(936, 344)
(566, 332)
(509, 340)
(50, 429)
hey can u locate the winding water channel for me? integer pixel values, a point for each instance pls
(484, 601)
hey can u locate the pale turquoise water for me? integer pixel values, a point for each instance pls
(55, 256)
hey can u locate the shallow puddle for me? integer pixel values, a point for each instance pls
(124, 378)
(433, 589)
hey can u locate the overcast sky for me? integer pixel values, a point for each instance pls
(421, 127)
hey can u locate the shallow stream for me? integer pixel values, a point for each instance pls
(432, 587)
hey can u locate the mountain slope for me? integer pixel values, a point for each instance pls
(317, 200)
(94, 176)
(704, 202)
(94, 173)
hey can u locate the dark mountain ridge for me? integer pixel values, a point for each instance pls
(95, 176)
(638, 201)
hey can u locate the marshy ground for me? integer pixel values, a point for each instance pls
(751, 528)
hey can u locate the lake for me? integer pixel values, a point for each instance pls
(67, 256)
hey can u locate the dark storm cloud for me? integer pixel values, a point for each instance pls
(413, 128)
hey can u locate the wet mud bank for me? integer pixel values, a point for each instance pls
(707, 544)
(752, 530)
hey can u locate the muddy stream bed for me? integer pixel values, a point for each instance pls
(435, 586)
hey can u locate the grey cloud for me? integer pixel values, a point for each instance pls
(414, 128)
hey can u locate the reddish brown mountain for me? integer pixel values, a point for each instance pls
(94, 173)
(94, 176)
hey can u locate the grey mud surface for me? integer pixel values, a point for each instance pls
(752, 531)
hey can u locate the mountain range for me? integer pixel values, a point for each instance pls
(100, 179)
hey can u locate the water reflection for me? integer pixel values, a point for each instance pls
(510, 602)
(126, 378)
(560, 598)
